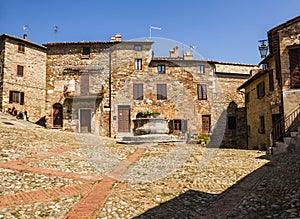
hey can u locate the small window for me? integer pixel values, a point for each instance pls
(271, 80)
(137, 47)
(20, 70)
(260, 88)
(21, 47)
(231, 122)
(247, 97)
(262, 125)
(202, 92)
(138, 64)
(16, 97)
(201, 69)
(294, 56)
(86, 51)
(161, 69)
(138, 91)
(161, 91)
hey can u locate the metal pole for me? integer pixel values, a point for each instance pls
(109, 87)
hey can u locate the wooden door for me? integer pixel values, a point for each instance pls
(123, 120)
(57, 115)
(85, 120)
(205, 124)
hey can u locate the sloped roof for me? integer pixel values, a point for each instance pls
(4, 36)
(253, 78)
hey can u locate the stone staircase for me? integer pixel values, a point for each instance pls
(289, 144)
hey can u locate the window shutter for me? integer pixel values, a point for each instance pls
(202, 92)
(271, 80)
(138, 92)
(161, 91)
(294, 56)
(22, 98)
(184, 126)
(84, 84)
(10, 96)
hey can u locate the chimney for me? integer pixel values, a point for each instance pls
(113, 39)
(174, 52)
(188, 55)
(118, 37)
(25, 36)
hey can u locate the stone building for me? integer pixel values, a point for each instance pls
(273, 94)
(83, 78)
(102, 87)
(22, 76)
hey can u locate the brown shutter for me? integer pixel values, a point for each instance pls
(84, 84)
(271, 80)
(161, 91)
(202, 92)
(10, 96)
(294, 55)
(22, 98)
(138, 92)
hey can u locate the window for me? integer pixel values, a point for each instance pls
(202, 92)
(247, 97)
(20, 70)
(201, 69)
(161, 69)
(294, 55)
(231, 122)
(16, 97)
(179, 125)
(86, 52)
(138, 91)
(161, 91)
(261, 125)
(137, 47)
(21, 47)
(138, 64)
(260, 88)
(271, 80)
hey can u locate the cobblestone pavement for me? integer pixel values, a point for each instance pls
(56, 174)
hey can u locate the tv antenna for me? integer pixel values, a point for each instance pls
(55, 29)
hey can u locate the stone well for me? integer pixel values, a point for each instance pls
(143, 126)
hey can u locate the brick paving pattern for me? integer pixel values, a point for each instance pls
(55, 174)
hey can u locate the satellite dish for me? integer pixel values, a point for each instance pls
(25, 28)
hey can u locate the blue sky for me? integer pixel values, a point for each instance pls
(222, 30)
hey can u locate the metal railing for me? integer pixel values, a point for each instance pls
(283, 127)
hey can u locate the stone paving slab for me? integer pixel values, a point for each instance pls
(124, 181)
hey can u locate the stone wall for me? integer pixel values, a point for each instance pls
(32, 83)
(289, 37)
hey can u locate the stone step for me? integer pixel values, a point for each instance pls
(149, 138)
(294, 134)
(280, 147)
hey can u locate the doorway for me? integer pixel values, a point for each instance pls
(57, 114)
(205, 124)
(124, 118)
(85, 120)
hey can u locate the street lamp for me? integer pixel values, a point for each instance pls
(263, 48)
